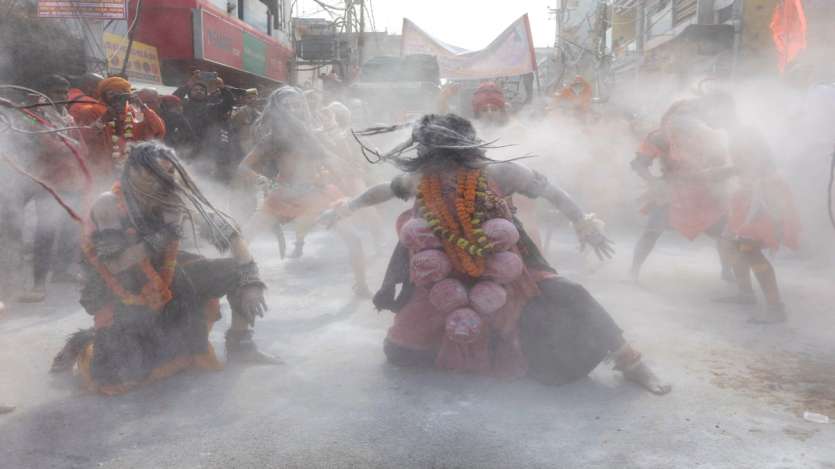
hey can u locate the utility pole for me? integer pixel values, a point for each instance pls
(561, 12)
(640, 34)
(640, 26)
(361, 39)
(738, 11)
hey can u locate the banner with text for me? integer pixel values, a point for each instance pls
(95, 9)
(223, 42)
(510, 54)
(143, 63)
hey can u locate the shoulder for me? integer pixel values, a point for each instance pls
(513, 177)
(654, 145)
(85, 113)
(106, 211)
(405, 185)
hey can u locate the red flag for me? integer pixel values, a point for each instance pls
(788, 29)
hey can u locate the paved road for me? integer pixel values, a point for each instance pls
(738, 398)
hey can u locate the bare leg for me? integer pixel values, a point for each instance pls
(628, 361)
(304, 224)
(42, 256)
(260, 222)
(643, 248)
(767, 278)
(742, 272)
(357, 256)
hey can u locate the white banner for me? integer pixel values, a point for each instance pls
(510, 54)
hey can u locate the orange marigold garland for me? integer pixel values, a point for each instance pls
(156, 292)
(463, 239)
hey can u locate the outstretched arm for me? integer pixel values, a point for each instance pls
(516, 179)
(513, 178)
(402, 187)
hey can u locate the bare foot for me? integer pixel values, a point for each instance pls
(35, 295)
(298, 251)
(241, 349)
(772, 314)
(361, 290)
(641, 375)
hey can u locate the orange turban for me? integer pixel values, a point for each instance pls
(113, 84)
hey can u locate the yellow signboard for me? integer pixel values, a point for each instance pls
(143, 63)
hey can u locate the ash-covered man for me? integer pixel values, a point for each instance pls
(762, 213)
(477, 295)
(690, 196)
(53, 158)
(291, 156)
(153, 304)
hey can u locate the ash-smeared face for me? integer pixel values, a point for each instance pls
(157, 182)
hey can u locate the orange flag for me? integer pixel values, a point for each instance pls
(788, 29)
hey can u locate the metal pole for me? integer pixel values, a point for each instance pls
(737, 13)
(361, 39)
(130, 38)
(640, 34)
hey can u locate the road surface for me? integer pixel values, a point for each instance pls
(738, 399)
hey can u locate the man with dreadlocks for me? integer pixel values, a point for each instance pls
(689, 196)
(762, 214)
(477, 294)
(290, 156)
(153, 304)
(51, 157)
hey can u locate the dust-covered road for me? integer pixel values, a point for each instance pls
(738, 398)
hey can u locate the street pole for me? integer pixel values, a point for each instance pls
(737, 15)
(640, 34)
(361, 39)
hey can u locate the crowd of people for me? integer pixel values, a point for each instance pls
(118, 177)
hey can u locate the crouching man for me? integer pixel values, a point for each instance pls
(153, 305)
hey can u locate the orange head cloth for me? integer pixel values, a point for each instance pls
(112, 84)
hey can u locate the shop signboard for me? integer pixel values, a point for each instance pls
(223, 42)
(143, 63)
(94, 9)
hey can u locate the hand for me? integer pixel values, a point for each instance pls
(253, 303)
(589, 231)
(329, 217)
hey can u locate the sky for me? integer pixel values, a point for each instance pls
(470, 24)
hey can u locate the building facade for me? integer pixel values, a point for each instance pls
(248, 42)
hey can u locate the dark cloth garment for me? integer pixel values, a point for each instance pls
(214, 141)
(139, 340)
(565, 332)
(178, 131)
(49, 220)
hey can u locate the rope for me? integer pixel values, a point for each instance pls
(72, 213)
(829, 189)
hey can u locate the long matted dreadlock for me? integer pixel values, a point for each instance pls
(220, 227)
(437, 139)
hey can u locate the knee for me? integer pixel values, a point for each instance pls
(563, 291)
